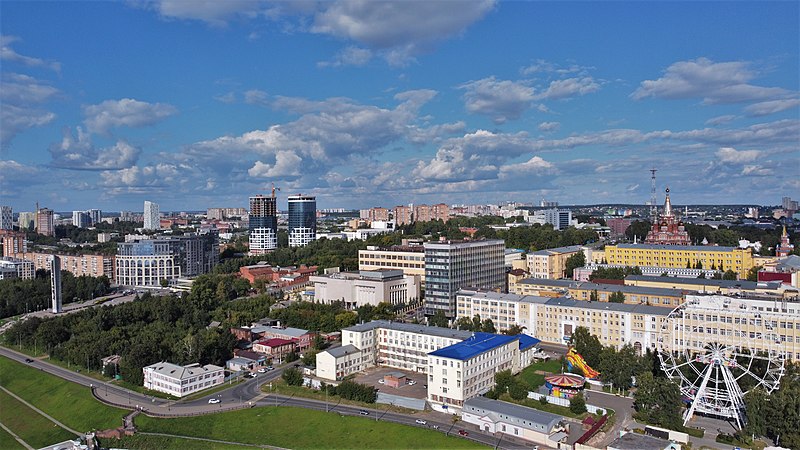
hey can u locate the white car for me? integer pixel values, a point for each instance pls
(421, 422)
(214, 401)
(412, 382)
(262, 370)
(381, 381)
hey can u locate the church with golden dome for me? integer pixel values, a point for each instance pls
(667, 229)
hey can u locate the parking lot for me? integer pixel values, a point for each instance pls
(418, 390)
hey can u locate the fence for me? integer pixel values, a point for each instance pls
(564, 402)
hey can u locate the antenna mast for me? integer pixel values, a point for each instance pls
(653, 209)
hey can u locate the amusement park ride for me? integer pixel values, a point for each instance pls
(716, 359)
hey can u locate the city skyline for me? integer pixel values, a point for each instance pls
(198, 105)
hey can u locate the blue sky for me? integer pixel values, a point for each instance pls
(196, 104)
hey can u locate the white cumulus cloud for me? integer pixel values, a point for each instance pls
(100, 118)
(502, 100)
(732, 156)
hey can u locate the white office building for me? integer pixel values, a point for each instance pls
(180, 381)
(16, 268)
(558, 218)
(152, 216)
(366, 287)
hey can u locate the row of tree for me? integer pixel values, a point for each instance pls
(18, 296)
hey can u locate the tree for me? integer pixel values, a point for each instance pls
(573, 262)
(164, 283)
(518, 391)
(752, 274)
(503, 380)
(729, 275)
(657, 401)
(293, 377)
(291, 356)
(310, 358)
(587, 344)
(577, 404)
(464, 323)
(514, 330)
(594, 296)
(438, 319)
(617, 297)
(488, 326)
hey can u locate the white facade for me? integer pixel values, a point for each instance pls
(452, 380)
(497, 417)
(180, 381)
(262, 241)
(367, 287)
(6, 218)
(16, 268)
(152, 216)
(339, 362)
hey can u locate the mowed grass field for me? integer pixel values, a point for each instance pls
(299, 428)
(71, 404)
(32, 427)
(8, 442)
(534, 380)
(146, 442)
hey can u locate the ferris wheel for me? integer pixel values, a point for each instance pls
(717, 349)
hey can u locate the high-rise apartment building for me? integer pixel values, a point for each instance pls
(152, 216)
(403, 215)
(13, 242)
(425, 213)
(453, 265)
(27, 221)
(560, 219)
(95, 216)
(145, 262)
(263, 224)
(45, 222)
(6, 218)
(81, 219)
(302, 220)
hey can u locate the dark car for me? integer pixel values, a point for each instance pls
(28, 360)
(463, 432)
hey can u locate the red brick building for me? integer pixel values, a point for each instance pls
(283, 276)
(274, 348)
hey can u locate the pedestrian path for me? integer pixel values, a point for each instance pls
(14, 435)
(40, 412)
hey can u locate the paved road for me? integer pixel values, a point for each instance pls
(248, 394)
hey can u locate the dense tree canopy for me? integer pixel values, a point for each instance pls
(18, 296)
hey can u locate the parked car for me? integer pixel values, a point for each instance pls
(28, 360)
(214, 401)
(364, 412)
(463, 432)
(270, 368)
(381, 381)
(421, 422)
(412, 382)
(262, 370)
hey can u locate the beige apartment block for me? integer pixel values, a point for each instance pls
(723, 258)
(91, 265)
(410, 259)
(551, 263)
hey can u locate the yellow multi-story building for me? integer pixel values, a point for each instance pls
(410, 259)
(711, 286)
(583, 290)
(723, 258)
(554, 319)
(552, 262)
(704, 319)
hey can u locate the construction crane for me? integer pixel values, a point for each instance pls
(274, 189)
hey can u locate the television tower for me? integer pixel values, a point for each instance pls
(653, 209)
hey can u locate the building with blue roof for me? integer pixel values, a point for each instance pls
(466, 369)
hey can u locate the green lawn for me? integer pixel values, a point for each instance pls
(32, 427)
(533, 379)
(145, 442)
(299, 428)
(71, 404)
(279, 386)
(7, 441)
